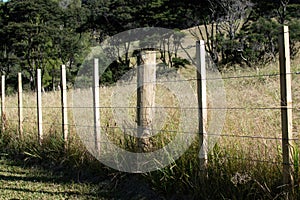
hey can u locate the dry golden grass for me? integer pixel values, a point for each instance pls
(251, 133)
(261, 119)
(51, 113)
(252, 126)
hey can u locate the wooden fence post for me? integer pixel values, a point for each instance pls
(3, 114)
(64, 104)
(202, 102)
(286, 106)
(146, 78)
(20, 104)
(39, 106)
(96, 105)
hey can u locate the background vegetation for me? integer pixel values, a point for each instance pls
(44, 34)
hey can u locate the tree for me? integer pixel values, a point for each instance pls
(28, 26)
(261, 35)
(282, 11)
(209, 31)
(220, 29)
(40, 34)
(70, 41)
(260, 41)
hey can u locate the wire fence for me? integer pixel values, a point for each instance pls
(57, 124)
(11, 114)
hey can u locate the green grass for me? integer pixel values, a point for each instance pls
(31, 171)
(20, 182)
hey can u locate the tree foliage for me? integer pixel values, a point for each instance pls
(44, 34)
(38, 34)
(246, 32)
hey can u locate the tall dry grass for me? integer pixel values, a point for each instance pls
(246, 159)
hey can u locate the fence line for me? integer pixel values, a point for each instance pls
(286, 107)
(167, 131)
(164, 107)
(215, 79)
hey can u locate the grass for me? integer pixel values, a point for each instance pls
(19, 182)
(49, 172)
(244, 164)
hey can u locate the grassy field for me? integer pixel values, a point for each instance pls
(244, 164)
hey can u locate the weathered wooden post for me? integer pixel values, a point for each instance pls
(146, 80)
(286, 107)
(202, 103)
(64, 105)
(3, 114)
(96, 105)
(20, 104)
(39, 106)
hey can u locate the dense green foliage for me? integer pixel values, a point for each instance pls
(39, 34)
(45, 34)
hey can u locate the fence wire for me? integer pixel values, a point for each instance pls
(222, 135)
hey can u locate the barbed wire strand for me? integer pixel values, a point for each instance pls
(184, 108)
(162, 107)
(161, 130)
(210, 78)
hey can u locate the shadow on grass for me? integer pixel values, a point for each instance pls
(50, 163)
(103, 183)
(15, 174)
(69, 193)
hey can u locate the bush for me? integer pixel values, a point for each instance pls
(180, 62)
